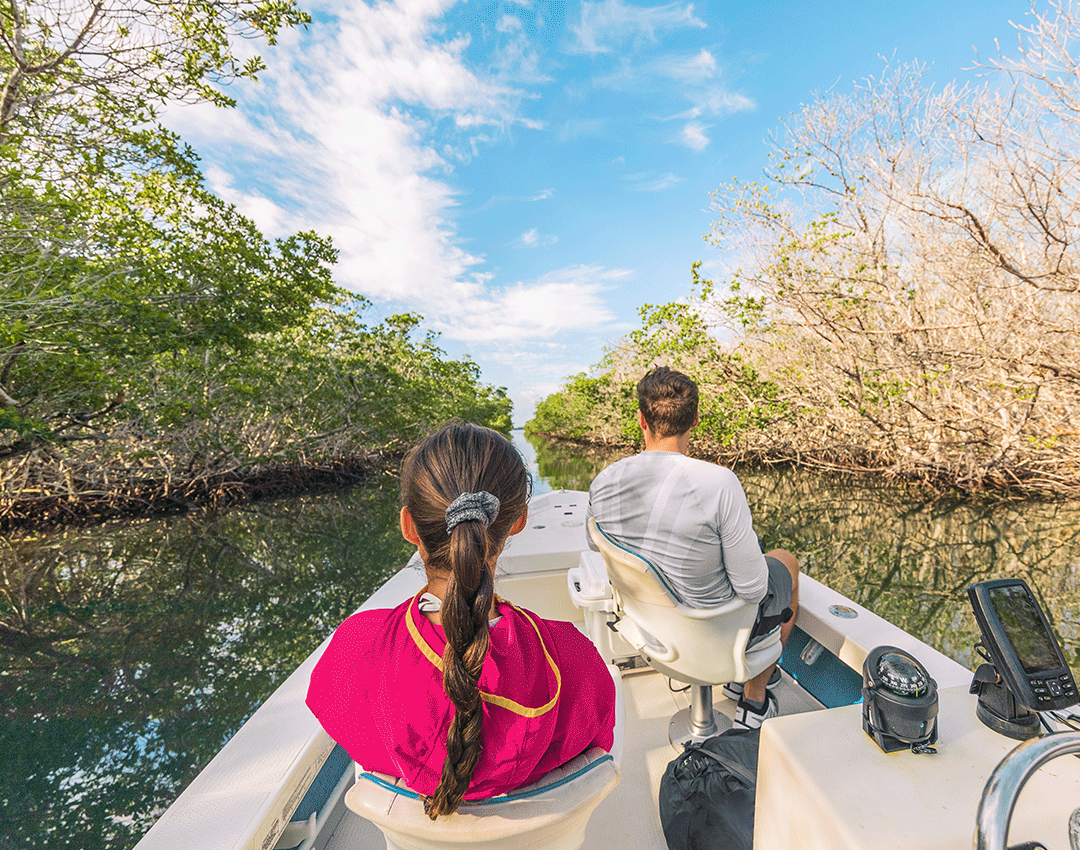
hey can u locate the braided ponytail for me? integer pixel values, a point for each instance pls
(463, 459)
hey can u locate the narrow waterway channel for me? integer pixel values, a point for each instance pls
(129, 653)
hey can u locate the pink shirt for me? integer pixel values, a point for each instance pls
(547, 696)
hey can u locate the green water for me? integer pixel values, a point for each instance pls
(130, 653)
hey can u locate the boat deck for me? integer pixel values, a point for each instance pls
(629, 816)
(245, 797)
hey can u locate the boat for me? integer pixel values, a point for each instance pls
(280, 782)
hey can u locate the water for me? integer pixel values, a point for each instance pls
(130, 653)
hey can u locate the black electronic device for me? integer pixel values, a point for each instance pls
(900, 701)
(1027, 671)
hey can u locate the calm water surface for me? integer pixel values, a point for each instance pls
(130, 653)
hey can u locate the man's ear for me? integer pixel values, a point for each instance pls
(641, 421)
(519, 526)
(697, 419)
(408, 527)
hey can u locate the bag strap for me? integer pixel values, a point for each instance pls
(739, 770)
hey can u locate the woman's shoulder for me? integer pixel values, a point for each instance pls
(365, 626)
(564, 637)
(358, 643)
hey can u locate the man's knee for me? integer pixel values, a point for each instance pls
(792, 564)
(787, 559)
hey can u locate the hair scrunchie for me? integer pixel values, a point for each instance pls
(481, 507)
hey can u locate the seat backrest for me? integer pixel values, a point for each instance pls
(630, 574)
(550, 814)
(701, 646)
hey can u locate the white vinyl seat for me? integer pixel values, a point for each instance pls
(700, 646)
(549, 814)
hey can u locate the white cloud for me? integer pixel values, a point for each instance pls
(690, 68)
(340, 136)
(693, 136)
(564, 301)
(670, 77)
(721, 102)
(540, 195)
(272, 218)
(508, 23)
(645, 181)
(515, 60)
(610, 22)
(534, 239)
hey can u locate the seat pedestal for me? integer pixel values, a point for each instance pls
(698, 722)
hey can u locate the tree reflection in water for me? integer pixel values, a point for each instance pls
(131, 653)
(910, 557)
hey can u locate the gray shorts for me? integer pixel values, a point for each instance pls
(775, 608)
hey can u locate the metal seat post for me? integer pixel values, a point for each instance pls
(702, 718)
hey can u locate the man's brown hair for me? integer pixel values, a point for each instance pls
(668, 400)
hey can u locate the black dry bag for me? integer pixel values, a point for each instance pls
(707, 793)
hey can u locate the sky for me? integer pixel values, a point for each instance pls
(526, 174)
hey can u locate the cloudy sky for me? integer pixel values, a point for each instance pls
(525, 174)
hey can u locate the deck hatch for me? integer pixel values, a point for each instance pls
(828, 679)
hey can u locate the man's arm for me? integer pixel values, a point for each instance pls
(589, 513)
(745, 565)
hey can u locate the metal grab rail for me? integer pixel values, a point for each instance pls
(1003, 787)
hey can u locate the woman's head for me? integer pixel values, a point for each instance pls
(463, 458)
(480, 474)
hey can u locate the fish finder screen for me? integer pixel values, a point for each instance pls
(1021, 621)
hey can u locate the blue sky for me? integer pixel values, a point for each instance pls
(526, 174)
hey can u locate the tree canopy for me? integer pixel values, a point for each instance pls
(148, 330)
(904, 293)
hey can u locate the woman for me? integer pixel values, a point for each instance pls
(462, 694)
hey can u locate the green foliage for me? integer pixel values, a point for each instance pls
(567, 413)
(27, 429)
(735, 400)
(147, 328)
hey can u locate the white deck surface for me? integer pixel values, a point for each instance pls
(814, 793)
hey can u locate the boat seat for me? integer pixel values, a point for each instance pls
(550, 814)
(699, 646)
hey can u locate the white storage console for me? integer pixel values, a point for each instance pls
(823, 784)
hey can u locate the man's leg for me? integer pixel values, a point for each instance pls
(754, 690)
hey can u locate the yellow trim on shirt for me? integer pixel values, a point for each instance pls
(494, 699)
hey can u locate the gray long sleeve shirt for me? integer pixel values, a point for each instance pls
(689, 518)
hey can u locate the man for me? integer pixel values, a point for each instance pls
(690, 519)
